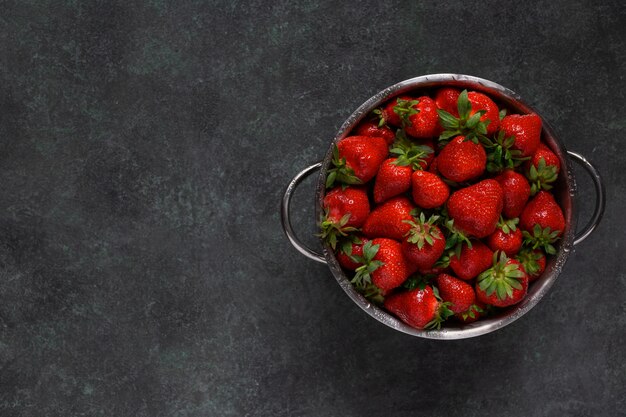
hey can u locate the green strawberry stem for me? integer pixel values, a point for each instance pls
(441, 314)
(362, 277)
(421, 231)
(341, 172)
(541, 238)
(529, 259)
(332, 231)
(500, 154)
(501, 278)
(407, 152)
(469, 126)
(405, 109)
(541, 177)
(455, 238)
(508, 225)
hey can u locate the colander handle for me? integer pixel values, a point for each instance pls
(600, 197)
(286, 220)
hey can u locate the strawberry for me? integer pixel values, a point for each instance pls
(446, 99)
(475, 312)
(478, 116)
(418, 308)
(392, 180)
(373, 129)
(428, 190)
(527, 131)
(424, 243)
(390, 113)
(476, 209)
(481, 102)
(356, 160)
(516, 191)
(472, 260)
(542, 211)
(459, 294)
(425, 122)
(461, 160)
(533, 261)
(542, 169)
(387, 219)
(500, 153)
(345, 210)
(350, 251)
(504, 284)
(507, 237)
(383, 266)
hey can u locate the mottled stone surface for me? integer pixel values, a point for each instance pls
(144, 148)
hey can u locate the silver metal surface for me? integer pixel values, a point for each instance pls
(286, 219)
(598, 210)
(564, 191)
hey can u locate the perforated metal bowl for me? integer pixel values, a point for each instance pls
(564, 192)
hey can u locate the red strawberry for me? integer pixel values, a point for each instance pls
(392, 180)
(418, 308)
(476, 209)
(507, 238)
(383, 265)
(481, 102)
(472, 261)
(344, 211)
(516, 192)
(473, 313)
(387, 219)
(389, 111)
(350, 251)
(533, 261)
(527, 131)
(477, 116)
(462, 160)
(425, 122)
(424, 244)
(542, 169)
(504, 284)
(373, 129)
(446, 99)
(432, 167)
(544, 211)
(428, 190)
(458, 293)
(356, 160)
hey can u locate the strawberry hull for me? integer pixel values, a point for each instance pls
(563, 190)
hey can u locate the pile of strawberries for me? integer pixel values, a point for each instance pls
(439, 206)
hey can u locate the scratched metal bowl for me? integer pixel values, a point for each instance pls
(564, 192)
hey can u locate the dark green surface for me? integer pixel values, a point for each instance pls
(144, 149)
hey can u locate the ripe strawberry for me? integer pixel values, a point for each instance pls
(504, 284)
(446, 99)
(462, 160)
(516, 191)
(391, 180)
(533, 261)
(345, 210)
(350, 251)
(527, 131)
(383, 265)
(459, 294)
(388, 113)
(481, 102)
(544, 211)
(542, 169)
(387, 219)
(507, 237)
(424, 243)
(476, 209)
(373, 129)
(428, 190)
(472, 260)
(356, 160)
(477, 117)
(418, 308)
(476, 311)
(425, 122)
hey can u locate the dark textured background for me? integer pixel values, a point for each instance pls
(144, 148)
